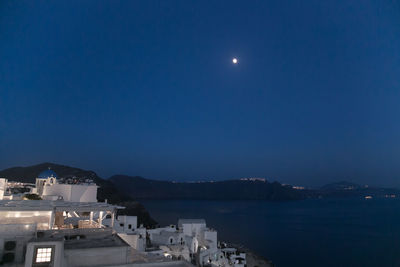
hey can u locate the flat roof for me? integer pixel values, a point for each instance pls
(190, 221)
(58, 205)
(89, 238)
(95, 241)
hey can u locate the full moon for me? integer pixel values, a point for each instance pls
(234, 60)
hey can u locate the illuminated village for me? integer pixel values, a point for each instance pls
(57, 222)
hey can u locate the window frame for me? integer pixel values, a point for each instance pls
(47, 263)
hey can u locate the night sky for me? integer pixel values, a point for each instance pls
(148, 88)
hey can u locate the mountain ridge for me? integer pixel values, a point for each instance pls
(239, 189)
(143, 188)
(125, 189)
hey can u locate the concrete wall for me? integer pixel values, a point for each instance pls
(21, 238)
(84, 193)
(209, 254)
(58, 190)
(121, 224)
(157, 231)
(128, 221)
(166, 238)
(134, 241)
(73, 193)
(58, 252)
(18, 218)
(97, 256)
(190, 228)
(39, 185)
(3, 187)
(212, 237)
(125, 221)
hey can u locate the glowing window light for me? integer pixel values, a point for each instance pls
(43, 255)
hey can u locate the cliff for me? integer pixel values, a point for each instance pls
(142, 188)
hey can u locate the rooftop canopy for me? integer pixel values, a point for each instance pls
(48, 205)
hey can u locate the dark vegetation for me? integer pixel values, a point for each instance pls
(32, 197)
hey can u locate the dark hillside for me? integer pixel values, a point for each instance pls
(223, 190)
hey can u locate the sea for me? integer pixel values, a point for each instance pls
(306, 233)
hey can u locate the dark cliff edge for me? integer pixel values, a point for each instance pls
(126, 190)
(142, 188)
(107, 190)
(347, 189)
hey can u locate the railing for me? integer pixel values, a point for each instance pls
(77, 231)
(17, 228)
(88, 224)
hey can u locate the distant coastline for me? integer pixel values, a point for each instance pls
(242, 189)
(123, 188)
(130, 191)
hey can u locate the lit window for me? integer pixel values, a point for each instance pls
(43, 255)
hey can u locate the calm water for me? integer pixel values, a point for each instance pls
(333, 232)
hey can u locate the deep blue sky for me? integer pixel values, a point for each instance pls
(148, 88)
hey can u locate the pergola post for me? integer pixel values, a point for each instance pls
(91, 218)
(100, 218)
(51, 220)
(112, 218)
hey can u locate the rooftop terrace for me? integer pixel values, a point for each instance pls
(48, 205)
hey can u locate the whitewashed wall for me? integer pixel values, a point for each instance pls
(97, 256)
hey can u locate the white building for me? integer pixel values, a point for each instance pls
(68, 227)
(61, 227)
(194, 242)
(48, 188)
(125, 224)
(3, 187)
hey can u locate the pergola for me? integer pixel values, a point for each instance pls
(51, 214)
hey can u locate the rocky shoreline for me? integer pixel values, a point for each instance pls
(252, 259)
